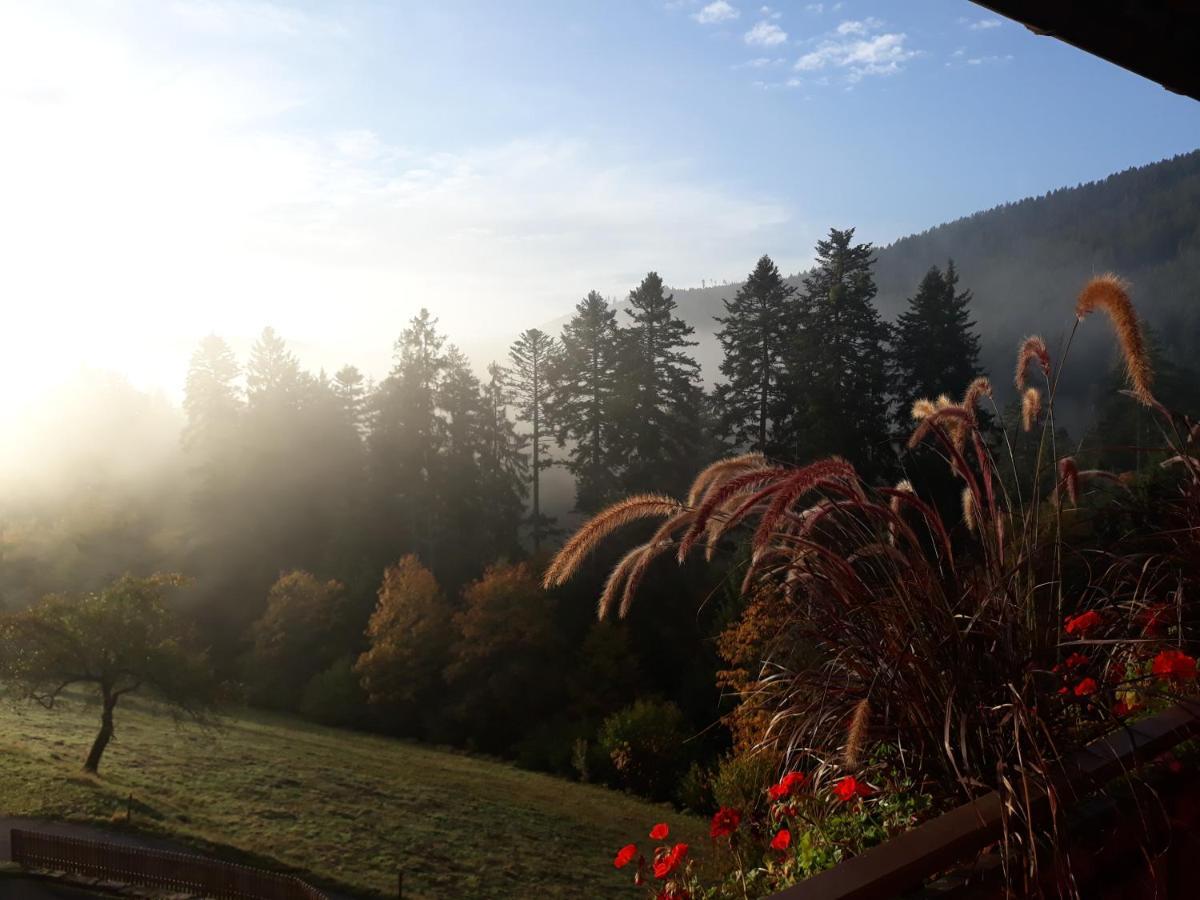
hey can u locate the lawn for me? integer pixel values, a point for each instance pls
(349, 809)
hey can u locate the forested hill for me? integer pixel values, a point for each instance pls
(1026, 260)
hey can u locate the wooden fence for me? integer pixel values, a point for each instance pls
(155, 868)
(907, 861)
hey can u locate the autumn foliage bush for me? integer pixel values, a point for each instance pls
(903, 653)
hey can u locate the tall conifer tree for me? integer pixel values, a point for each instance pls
(662, 401)
(586, 384)
(533, 355)
(838, 363)
(937, 349)
(754, 334)
(503, 466)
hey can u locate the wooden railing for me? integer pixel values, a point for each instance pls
(155, 868)
(906, 862)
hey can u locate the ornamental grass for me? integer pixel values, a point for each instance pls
(916, 650)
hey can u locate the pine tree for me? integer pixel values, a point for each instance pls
(405, 440)
(212, 399)
(754, 335)
(273, 374)
(661, 413)
(456, 484)
(503, 467)
(533, 355)
(838, 363)
(350, 388)
(937, 349)
(586, 385)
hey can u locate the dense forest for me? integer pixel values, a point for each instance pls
(369, 553)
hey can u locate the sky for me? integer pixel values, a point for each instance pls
(171, 168)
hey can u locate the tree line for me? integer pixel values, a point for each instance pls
(369, 553)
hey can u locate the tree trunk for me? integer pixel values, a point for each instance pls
(106, 732)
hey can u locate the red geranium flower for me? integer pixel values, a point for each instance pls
(1083, 623)
(668, 861)
(1121, 709)
(789, 784)
(625, 855)
(660, 831)
(725, 822)
(1086, 688)
(1075, 660)
(782, 840)
(1174, 664)
(849, 788)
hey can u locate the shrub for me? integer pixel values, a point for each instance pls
(335, 696)
(742, 782)
(644, 744)
(695, 791)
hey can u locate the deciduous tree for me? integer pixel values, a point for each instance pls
(124, 639)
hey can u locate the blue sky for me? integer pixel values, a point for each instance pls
(182, 166)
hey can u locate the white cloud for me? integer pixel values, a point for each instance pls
(983, 24)
(862, 26)
(815, 8)
(765, 34)
(760, 62)
(883, 54)
(718, 11)
(770, 13)
(989, 60)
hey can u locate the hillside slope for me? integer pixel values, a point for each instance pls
(346, 808)
(1026, 260)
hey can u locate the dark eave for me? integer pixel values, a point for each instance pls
(1157, 39)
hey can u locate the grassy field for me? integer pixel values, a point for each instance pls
(348, 809)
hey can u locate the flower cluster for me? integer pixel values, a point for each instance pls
(669, 866)
(1134, 670)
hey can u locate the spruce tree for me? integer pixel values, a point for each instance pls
(838, 362)
(937, 349)
(273, 374)
(456, 481)
(533, 355)
(586, 385)
(503, 467)
(405, 440)
(350, 388)
(662, 399)
(212, 399)
(754, 335)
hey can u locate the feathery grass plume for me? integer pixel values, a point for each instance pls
(1111, 294)
(586, 539)
(943, 401)
(722, 469)
(1032, 348)
(969, 513)
(923, 409)
(718, 494)
(904, 486)
(856, 734)
(1031, 407)
(980, 387)
(824, 472)
(1068, 480)
(616, 579)
(952, 413)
